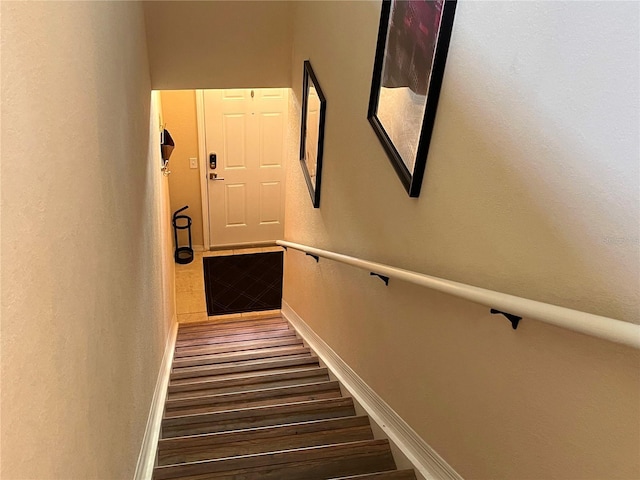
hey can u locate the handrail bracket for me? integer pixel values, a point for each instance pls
(514, 319)
(384, 278)
(314, 256)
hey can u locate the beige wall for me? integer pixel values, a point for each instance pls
(531, 188)
(219, 44)
(180, 117)
(87, 289)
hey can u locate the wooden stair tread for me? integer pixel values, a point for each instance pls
(258, 374)
(277, 358)
(246, 366)
(254, 402)
(227, 339)
(266, 391)
(249, 378)
(224, 332)
(263, 439)
(265, 396)
(258, 402)
(249, 381)
(215, 322)
(389, 475)
(254, 329)
(302, 463)
(186, 352)
(229, 357)
(311, 405)
(256, 417)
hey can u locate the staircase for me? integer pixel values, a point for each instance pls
(247, 400)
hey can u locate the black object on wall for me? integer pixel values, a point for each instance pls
(166, 146)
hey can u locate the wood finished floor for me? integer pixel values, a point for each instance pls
(248, 400)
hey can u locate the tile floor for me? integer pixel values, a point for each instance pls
(191, 305)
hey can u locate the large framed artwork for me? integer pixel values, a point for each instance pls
(413, 41)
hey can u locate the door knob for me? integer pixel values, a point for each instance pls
(214, 176)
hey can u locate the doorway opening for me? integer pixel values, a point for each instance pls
(229, 163)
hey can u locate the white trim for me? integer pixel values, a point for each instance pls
(147, 457)
(610, 329)
(231, 246)
(203, 165)
(424, 459)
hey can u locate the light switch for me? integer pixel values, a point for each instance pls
(193, 163)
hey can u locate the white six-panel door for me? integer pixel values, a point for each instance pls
(246, 130)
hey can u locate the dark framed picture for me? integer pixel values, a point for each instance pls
(413, 41)
(314, 106)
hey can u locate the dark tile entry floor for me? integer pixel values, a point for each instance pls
(243, 283)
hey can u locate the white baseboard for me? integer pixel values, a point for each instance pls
(424, 459)
(147, 457)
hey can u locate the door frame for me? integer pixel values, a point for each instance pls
(204, 165)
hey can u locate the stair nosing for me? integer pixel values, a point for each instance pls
(266, 427)
(345, 400)
(355, 477)
(227, 321)
(374, 442)
(243, 367)
(179, 375)
(224, 332)
(322, 370)
(280, 388)
(221, 356)
(293, 339)
(185, 343)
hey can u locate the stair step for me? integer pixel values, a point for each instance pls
(249, 381)
(256, 417)
(312, 463)
(223, 320)
(192, 342)
(228, 357)
(247, 399)
(263, 439)
(251, 398)
(390, 475)
(247, 366)
(229, 322)
(215, 333)
(184, 371)
(187, 352)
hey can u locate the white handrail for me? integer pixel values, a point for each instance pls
(606, 328)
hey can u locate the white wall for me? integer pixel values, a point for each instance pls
(219, 44)
(87, 289)
(531, 188)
